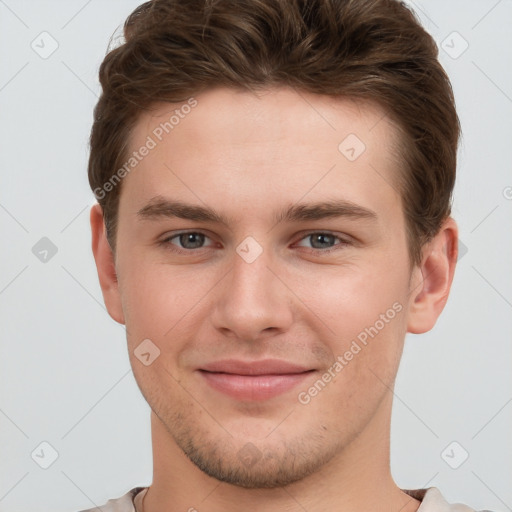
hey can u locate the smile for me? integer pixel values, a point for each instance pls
(253, 387)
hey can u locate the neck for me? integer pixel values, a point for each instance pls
(357, 479)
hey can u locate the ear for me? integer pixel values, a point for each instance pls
(105, 265)
(432, 279)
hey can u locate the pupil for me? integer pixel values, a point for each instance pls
(321, 238)
(189, 237)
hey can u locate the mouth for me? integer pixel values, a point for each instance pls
(257, 380)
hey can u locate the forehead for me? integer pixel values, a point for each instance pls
(234, 147)
(266, 116)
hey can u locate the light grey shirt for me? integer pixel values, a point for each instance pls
(431, 501)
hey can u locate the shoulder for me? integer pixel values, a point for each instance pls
(123, 504)
(433, 501)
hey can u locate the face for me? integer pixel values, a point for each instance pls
(261, 248)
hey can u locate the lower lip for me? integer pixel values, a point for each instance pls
(253, 387)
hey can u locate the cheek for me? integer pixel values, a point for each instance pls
(369, 327)
(155, 299)
(362, 314)
(158, 304)
(348, 300)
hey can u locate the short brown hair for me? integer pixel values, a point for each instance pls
(373, 50)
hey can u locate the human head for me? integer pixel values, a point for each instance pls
(342, 48)
(247, 150)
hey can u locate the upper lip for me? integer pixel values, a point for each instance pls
(263, 367)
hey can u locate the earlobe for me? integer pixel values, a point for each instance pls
(105, 265)
(433, 278)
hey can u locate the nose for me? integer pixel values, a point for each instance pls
(253, 301)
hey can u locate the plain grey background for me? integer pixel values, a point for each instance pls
(65, 377)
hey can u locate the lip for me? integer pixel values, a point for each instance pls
(256, 380)
(263, 367)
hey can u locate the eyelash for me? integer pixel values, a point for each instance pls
(166, 243)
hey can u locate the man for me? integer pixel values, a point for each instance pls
(274, 181)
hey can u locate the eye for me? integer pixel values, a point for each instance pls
(323, 241)
(190, 241)
(187, 241)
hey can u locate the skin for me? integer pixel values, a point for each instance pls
(247, 156)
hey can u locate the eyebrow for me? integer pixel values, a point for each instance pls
(160, 207)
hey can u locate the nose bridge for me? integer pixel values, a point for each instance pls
(251, 277)
(252, 298)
